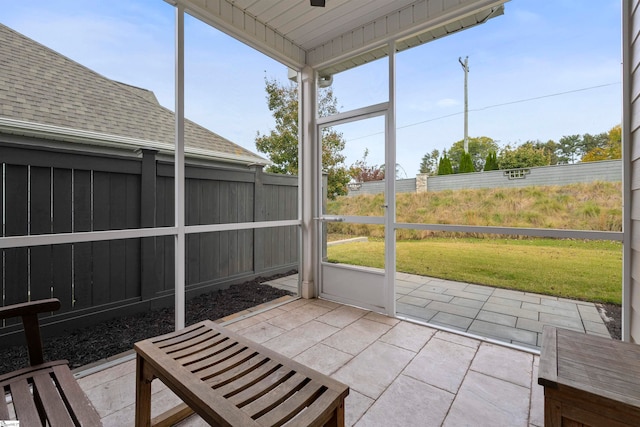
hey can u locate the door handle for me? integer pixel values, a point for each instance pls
(331, 219)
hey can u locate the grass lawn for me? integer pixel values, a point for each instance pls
(584, 270)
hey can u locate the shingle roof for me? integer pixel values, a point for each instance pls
(39, 85)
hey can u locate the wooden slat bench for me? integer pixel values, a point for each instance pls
(231, 381)
(45, 393)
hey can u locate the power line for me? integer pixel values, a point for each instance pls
(488, 107)
(547, 96)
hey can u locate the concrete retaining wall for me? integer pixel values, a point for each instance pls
(607, 170)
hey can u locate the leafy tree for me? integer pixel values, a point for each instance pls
(591, 142)
(491, 163)
(595, 155)
(615, 134)
(360, 171)
(615, 142)
(399, 170)
(612, 149)
(333, 163)
(575, 147)
(479, 148)
(444, 166)
(429, 163)
(466, 164)
(569, 148)
(550, 148)
(523, 156)
(281, 144)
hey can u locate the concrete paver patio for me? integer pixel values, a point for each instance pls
(400, 373)
(508, 316)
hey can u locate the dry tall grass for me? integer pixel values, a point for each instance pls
(588, 206)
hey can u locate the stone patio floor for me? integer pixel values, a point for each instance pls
(508, 316)
(399, 373)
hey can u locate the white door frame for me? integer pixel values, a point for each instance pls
(363, 287)
(388, 109)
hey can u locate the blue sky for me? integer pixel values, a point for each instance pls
(545, 69)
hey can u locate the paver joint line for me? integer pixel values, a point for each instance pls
(530, 310)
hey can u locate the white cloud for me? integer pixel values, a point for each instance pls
(447, 102)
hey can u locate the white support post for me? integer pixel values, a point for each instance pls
(309, 178)
(179, 174)
(390, 216)
(627, 160)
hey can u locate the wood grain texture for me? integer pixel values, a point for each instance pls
(229, 380)
(43, 393)
(589, 380)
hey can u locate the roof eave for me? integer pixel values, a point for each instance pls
(58, 133)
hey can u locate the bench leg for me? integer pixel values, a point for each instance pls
(143, 393)
(337, 419)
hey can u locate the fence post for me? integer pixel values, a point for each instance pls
(421, 183)
(149, 277)
(258, 215)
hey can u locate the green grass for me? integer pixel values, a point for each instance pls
(583, 270)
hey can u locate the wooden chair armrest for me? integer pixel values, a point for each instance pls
(29, 308)
(28, 311)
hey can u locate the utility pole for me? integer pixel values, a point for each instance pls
(465, 67)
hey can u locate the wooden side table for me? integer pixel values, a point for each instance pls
(589, 380)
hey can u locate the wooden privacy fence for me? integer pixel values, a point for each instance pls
(54, 191)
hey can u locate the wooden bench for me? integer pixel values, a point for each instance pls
(45, 393)
(231, 381)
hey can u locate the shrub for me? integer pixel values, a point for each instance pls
(444, 167)
(491, 163)
(466, 164)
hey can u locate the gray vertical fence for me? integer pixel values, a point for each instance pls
(53, 191)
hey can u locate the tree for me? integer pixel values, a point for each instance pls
(591, 142)
(615, 142)
(466, 164)
(444, 166)
(429, 163)
(400, 172)
(550, 148)
(479, 148)
(333, 163)
(523, 156)
(569, 148)
(491, 163)
(360, 171)
(612, 149)
(281, 144)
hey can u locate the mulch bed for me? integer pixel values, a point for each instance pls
(91, 344)
(612, 315)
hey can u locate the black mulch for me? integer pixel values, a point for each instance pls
(87, 345)
(612, 315)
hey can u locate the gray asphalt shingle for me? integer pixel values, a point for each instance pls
(42, 86)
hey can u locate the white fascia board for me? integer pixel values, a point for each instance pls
(58, 133)
(417, 18)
